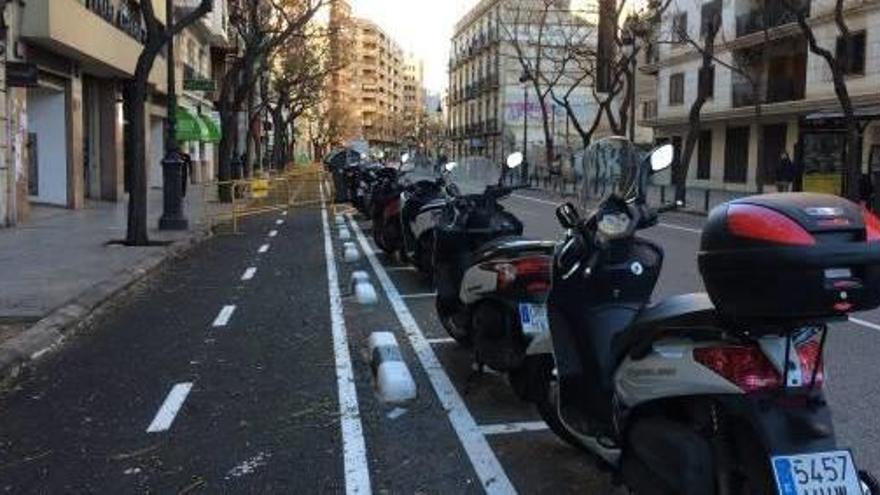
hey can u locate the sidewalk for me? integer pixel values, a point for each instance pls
(58, 266)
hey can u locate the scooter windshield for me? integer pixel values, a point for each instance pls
(472, 175)
(609, 165)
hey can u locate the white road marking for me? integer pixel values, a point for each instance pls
(223, 317)
(169, 409)
(263, 248)
(506, 428)
(354, 450)
(401, 269)
(446, 340)
(249, 273)
(866, 324)
(486, 464)
(273, 233)
(556, 203)
(423, 295)
(284, 213)
(279, 222)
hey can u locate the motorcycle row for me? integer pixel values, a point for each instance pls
(716, 392)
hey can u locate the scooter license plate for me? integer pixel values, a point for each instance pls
(533, 318)
(821, 472)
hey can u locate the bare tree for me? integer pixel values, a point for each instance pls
(838, 63)
(157, 35)
(261, 28)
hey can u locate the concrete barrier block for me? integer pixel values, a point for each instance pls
(393, 381)
(344, 234)
(351, 254)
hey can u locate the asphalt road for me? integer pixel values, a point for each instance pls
(243, 368)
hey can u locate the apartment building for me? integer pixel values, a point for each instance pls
(770, 93)
(414, 95)
(491, 111)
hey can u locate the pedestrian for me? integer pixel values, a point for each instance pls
(785, 173)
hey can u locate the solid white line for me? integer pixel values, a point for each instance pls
(446, 340)
(664, 225)
(249, 273)
(506, 428)
(419, 296)
(866, 324)
(273, 233)
(354, 450)
(279, 222)
(169, 409)
(486, 465)
(263, 248)
(224, 315)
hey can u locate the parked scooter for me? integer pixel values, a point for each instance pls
(705, 393)
(421, 204)
(385, 206)
(491, 283)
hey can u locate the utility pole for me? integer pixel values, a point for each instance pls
(524, 78)
(172, 164)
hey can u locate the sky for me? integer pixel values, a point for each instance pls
(423, 27)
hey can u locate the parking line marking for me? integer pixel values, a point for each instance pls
(354, 450)
(441, 341)
(422, 295)
(273, 233)
(482, 457)
(866, 324)
(223, 317)
(400, 269)
(249, 273)
(506, 428)
(553, 203)
(279, 222)
(169, 409)
(263, 248)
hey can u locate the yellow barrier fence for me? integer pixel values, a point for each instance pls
(227, 202)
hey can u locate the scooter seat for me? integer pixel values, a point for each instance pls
(677, 315)
(513, 245)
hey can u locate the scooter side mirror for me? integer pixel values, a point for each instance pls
(662, 158)
(449, 167)
(567, 215)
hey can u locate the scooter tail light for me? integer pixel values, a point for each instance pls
(872, 225)
(533, 272)
(745, 366)
(764, 224)
(809, 355)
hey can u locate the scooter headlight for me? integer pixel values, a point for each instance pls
(614, 225)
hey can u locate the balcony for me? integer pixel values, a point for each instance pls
(767, 15)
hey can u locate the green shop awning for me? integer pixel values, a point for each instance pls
(188, 127)
(212, 127)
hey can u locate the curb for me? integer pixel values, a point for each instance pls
(50, 331)
(394, 382)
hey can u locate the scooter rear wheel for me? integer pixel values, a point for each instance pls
(448, 312)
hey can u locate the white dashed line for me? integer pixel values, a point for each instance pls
(263, 248)
(273, 233)
(679, 227)
(354, 450)
(169, 409)
(249, 273)
(507, 428)
(223, 317)
(492, 476)
(423, 295)
(441, 341)
(279, 222)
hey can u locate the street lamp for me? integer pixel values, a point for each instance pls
(524, 79)
(172, 164)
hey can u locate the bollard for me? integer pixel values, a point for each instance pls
(351, 253)
(364, 292)
(344, 234)
(394, 382)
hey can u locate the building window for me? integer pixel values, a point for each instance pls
(853, 60)
(676, 89)
(736, 155)
(704, 156)
(680, 27)
(710, 12)
(649, 109)
(707, 79)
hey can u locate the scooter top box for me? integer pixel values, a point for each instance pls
(813, 257)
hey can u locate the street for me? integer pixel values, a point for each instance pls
(228, 371)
